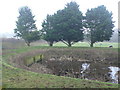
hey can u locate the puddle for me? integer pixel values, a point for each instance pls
(85, 66)
(114, 73)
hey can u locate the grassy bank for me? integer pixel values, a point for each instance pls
(19, 78)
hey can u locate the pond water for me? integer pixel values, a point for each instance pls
(84, 70)
(85, 66)
(114, 73)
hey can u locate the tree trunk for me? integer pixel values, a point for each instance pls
(28, 44)
(91, 44)
(69, 44)
(50, 44)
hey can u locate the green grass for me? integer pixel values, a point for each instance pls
(85, 44)
(19, 78)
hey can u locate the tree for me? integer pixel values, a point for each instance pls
(99, 24)
(26, 28)
(115, 35)
(119, 32)
(68, 22)
(48, 32)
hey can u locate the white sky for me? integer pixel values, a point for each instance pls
(40, 8)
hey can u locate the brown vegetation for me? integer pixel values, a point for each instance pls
(68, 61)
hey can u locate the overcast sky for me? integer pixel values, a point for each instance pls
(40, 8)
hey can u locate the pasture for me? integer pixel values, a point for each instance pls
(14, 43)
(86, 44)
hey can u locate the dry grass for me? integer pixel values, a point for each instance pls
(11, 43)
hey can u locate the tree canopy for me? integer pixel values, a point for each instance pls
(26, 27)
(48, 32)
(69, 24)
(66, 25)
(99, 24)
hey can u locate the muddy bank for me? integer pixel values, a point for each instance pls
(70, 62)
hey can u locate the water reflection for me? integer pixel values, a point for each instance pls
(114, 73)
(85, 66)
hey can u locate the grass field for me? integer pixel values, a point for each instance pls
(13, 77)
(14, 43)
(79, 44)
(86, 44)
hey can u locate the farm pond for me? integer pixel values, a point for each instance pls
(90, 64)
